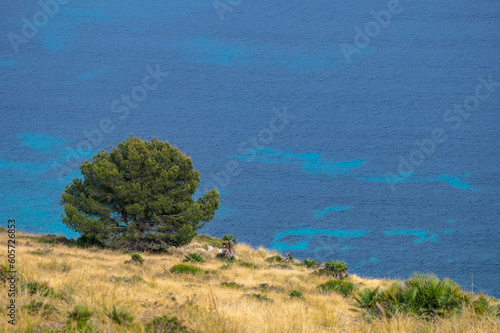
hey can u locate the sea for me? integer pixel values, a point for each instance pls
(362, 131)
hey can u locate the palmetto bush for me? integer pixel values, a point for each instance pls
(345, 288)
(336, 269)
(423, 295)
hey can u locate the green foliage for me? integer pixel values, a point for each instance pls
(121, 317)
(336, 269)
(212, 241)
(247, 264)
(41, 289)
(137, 258)
(4, 273)
(220, 256)
(88, 241)
(289, 259)
(166, 324)
(39, 308)
(275, 259)
(2, 229)
(232, 285)
(261, 297)
(138, 196)
(345, 288)
(228, 243)
(229, 265)
(54, 240)
(186, 269)
(296, 293)
(309, 263)
(423, 295)
(78, 318)
(194, 257)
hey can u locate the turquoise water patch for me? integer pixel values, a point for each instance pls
(422, 235)
(308, 235)
(89, 75)
(321, 213)
(212, 51)
(311, 163)
(364, 262)
(407, 177)
(451, 221)
(40, 141)
(7, 63)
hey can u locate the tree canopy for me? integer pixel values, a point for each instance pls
(138, 196)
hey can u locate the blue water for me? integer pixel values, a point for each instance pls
(323, 142)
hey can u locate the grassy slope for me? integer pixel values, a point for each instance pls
(198, 300)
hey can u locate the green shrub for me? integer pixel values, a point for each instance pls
(423, 295)
(212, 241)
(42, 289)
(4, 273)
(227, 266)
(296, 293)
(121, 317)
(79, 317)
(310, 263)
(247, 264)
(260, 297)
(166, 324)
(345, 288)
(232, 285)
(137, 258)
(186, 269)
(194, 257)
(54, 240)
(38, 307)
(336, 269)
(2, 229)
(221, 257)
(275, 259)
(88, 241)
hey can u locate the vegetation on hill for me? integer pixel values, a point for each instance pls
(139, 196)
(72, 288)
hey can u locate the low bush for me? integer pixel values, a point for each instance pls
(424, 295)
(209, 240)
(296, 293)
(261, 297)
(121, 317)
(247, 264)
(166, 324)
(275, 259)
(310, 263)
(345, 288)
(194, 257)
(42, 252)
(232, 285)
(78, 318)
(335, 269)
(186, 269)
(41, 289)
(39, 308)
(221, 257)
(54, 240)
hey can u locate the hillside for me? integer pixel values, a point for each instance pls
(248, 295)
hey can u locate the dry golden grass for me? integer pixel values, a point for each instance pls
(199, 301)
